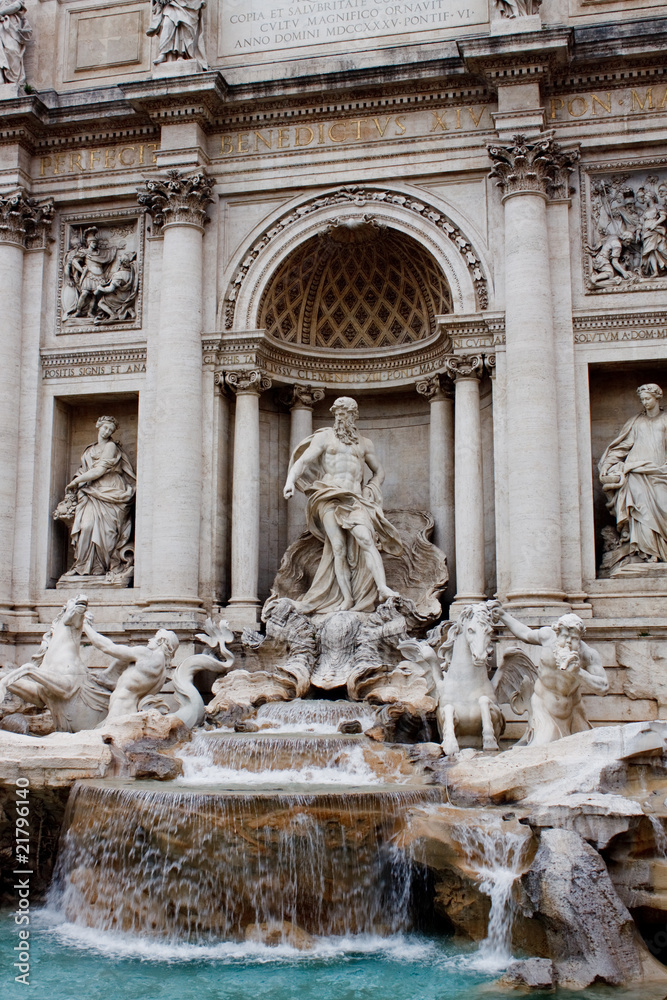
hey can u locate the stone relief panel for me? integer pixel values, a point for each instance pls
(625, 238)
(100, 274)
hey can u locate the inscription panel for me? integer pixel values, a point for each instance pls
(253, 27)
(106, 42)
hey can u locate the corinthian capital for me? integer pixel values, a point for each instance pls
(247, 380)
(25, 221)
(177, 199)
(460, 366)
(536, 164)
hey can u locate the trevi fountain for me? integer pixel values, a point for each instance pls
(333, 499)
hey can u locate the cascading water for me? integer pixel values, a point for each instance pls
(240, 759)
(496, 855)
(313, 716)
(194, 866)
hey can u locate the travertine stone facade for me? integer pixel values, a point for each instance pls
(438, 210)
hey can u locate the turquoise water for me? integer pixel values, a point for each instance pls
(74, 963)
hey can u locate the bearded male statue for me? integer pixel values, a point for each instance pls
(344, 514)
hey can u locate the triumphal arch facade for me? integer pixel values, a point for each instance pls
(216, 219)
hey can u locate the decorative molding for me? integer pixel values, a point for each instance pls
(612, 328)
(244, 381)
(479, 332)
(24, 221)
(464, 366)
(84, 364)
(361, 197)
(126, 227)
(289, 365)
(536, 165)
(178, 199)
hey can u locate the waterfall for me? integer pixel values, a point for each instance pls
(196, 867)
(495, 854)
(313, 716)
(233, 759)
(659, 836)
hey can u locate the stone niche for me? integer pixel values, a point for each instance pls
(613, 401)
(74, 428)
(398, 424)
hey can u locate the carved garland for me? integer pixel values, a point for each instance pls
(361, 196)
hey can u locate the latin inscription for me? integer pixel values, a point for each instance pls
(81, 161)
(78, 371)
(250, 26)
(371, 128)
(605, 103)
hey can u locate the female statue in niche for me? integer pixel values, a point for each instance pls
(633, 473)
(98, 503)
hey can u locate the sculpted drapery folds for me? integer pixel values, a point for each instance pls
(100, 496)
(14, 34)
(178, 25)
(342, 513)
(633, 473)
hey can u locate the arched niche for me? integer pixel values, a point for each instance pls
(433, 231)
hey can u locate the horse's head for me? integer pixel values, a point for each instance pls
(476, 624)
(74, 611)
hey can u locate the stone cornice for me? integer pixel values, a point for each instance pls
(57, 364)
(619, 327)
(288, 364)
(478, 332)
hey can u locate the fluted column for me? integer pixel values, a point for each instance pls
(301, 399)
(441, 465)
(178, 207)
(468, 481)
(529, 172)
(247, 386)
(23, 222)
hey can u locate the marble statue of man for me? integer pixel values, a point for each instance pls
(633, 473)
(14, 34)
(567, 664)
(178, 25)
(344, 514)
(144, 668)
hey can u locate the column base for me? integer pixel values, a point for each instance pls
(242, 614)
(463, 600)
(175, 613)
(538, 604)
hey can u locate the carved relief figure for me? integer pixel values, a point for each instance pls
(567, 664)
(343, 513)
(100, 277)
(14, 34)
(629, 221)
(144, 668)
(178, 25)
(99, 500)
(633, 473)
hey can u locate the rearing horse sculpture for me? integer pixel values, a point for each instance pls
(58, 679)
(467, 703)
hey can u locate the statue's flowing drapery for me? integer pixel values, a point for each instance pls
(639, 456)
(102, 522)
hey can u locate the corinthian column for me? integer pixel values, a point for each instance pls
(528, 173)
(301, 399)
(468, 482)
(23, 223)
(247, 386)
(441, 464)
(177, 204)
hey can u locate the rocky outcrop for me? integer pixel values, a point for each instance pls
(590, 934)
